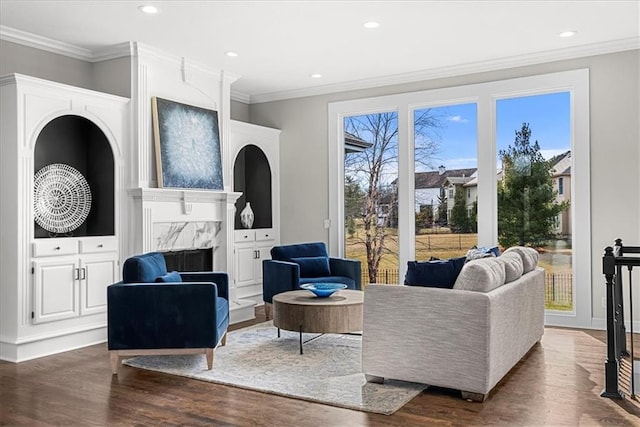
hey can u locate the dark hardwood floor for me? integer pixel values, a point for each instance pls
(558, 384)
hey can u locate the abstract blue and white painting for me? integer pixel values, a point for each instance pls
(187, 145)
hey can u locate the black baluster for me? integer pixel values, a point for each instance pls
(611, 364)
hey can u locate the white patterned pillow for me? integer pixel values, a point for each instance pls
(481, 275)
(513, 266)
(529, 257)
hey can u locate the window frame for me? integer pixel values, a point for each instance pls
(485, 95)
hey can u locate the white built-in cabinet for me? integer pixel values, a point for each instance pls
(53, 285)
(70, 276)
(255, 156)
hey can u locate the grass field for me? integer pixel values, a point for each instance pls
(441, 243)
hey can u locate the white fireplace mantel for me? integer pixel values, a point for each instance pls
(155, 209)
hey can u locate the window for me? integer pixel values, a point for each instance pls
(560, 186)
(486, 98)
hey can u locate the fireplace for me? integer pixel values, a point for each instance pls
(189, 260)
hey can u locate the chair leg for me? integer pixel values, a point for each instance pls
(267, 310)
(209, 354)
(223, 342)
(374, 379)
(114, 359)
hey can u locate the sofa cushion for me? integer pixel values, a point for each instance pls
(481, 275)
(172, 277)
(144, 268)
(313, 266)
(435, 274)
(513, 267)
(529, 257)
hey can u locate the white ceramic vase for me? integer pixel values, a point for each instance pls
(246, 216)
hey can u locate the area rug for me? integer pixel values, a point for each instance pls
(328, 372)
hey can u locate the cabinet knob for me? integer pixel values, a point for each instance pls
(100, 245)
(57, 248)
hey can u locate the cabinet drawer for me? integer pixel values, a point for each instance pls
(54, 247)
(244, 235)
(89, 245)
(265, 234)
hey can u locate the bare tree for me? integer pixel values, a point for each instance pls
(375, 168)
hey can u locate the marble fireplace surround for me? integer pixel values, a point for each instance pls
(172, 219)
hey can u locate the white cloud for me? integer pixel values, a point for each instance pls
(457, 119)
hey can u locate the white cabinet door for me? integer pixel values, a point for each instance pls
(96, 273)
(263, 250)
(55, 289)
(245, 263)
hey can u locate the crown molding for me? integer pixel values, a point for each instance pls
(456, 70)
(43, 43)
(240, 97)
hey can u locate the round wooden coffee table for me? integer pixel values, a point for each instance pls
(301, 311)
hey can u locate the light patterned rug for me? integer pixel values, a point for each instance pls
(328, 372)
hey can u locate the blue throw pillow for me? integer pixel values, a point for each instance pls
(171, 277)
(434, 274)
(313, 266)
(144, 268)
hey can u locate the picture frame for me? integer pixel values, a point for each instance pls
(187, 145)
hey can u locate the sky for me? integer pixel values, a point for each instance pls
(548, 116)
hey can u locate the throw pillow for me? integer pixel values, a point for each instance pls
(172, 277)
(313, 266)
(529, 257)
(482, 275)
(478, 253)
(512, 266)
(434, 274)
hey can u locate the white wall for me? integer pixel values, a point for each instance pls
(615, 152)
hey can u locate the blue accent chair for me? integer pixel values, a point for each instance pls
(152, 311)
(293, 265)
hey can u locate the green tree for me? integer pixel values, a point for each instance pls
(459, 220)
(424, 218)
(527, 206)
(442, 207)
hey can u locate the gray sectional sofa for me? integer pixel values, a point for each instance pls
(466, 338)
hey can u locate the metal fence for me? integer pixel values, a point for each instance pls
(558, 289)
(558, 286)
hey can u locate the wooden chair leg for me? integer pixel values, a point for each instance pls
(223, 342)
(209, 354)
(114, 359)
(267, 310)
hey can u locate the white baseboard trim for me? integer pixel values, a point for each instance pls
(600, 323)
(241, 310)
(46, 346)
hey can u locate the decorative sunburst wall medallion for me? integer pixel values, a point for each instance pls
(62, 198)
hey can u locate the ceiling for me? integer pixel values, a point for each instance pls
(281, 43)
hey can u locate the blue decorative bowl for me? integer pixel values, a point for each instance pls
(323, 290)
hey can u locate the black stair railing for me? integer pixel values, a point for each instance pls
(613, 261)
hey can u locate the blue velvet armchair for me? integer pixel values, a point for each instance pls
(293, 265)
(152, 311)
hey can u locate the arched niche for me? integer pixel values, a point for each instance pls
(252, 177)
(78, 142)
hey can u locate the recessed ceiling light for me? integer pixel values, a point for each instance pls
(567, 33)
(231, 53)
(147, 8)
(371, 24)
(316, 75)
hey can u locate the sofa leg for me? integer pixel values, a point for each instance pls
(114, 359)
(374, 379)
(476, 397)
(267, 310)
(209, 354)
(223, 342)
